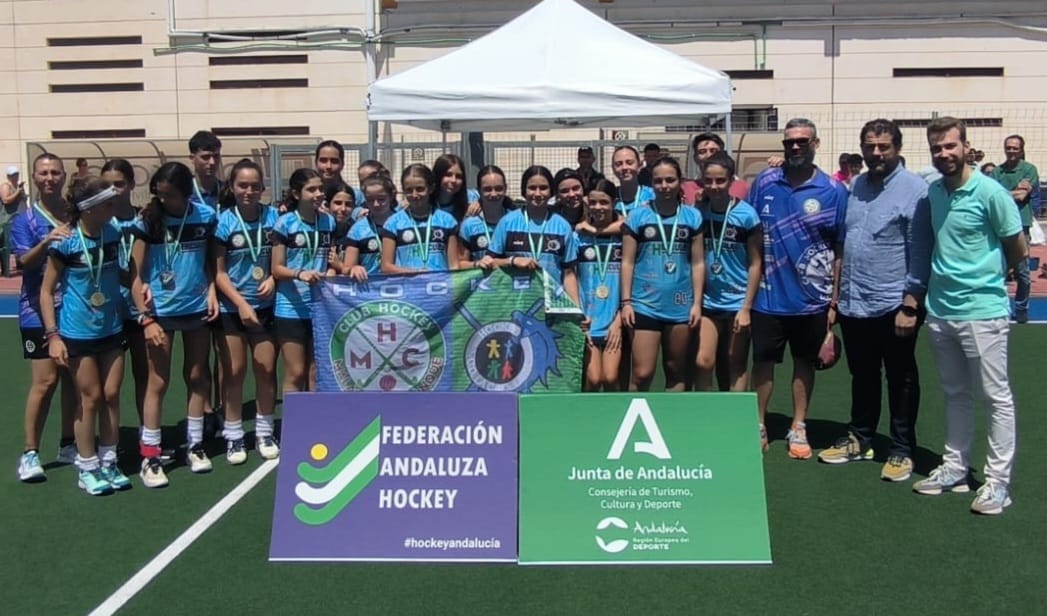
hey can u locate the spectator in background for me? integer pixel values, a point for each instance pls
(702, 147)
(205, 153)
(651, 153)
(12, 194)
(79, 177)
(855, 163)
(1022, 179)
(988, 168)
(843, 174)
(589, 175)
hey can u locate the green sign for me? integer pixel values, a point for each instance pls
(635, 478)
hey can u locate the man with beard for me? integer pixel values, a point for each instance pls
(1022, 179)
(877, 329)
(965, 235)
(802, 212)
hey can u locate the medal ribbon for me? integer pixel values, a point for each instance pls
(311, 245)
(255, 248)
(42, 212)
(423, 249)
(96, 275)
(718, 243)
(668, 244)
(170, 254)
(536, 249)
(603, 262)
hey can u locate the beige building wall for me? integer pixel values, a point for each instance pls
(832, 62)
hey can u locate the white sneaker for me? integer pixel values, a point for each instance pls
(198, 460)
(152, 473)
(66, 454)
(29, 469)
(267, 447)
(991, 499)
(235, 453)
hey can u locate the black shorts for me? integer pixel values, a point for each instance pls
(232, 324)
(183, 323)
(644, 322)
(294, 330)
(33, 343)
(804, 333)
(720, 316)
(599, 343)
(95, 347)
(132, 327)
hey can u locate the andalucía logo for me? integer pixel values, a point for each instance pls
(510, 355)
(326, 490)
(387, 345)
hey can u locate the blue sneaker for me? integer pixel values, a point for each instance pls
(991, 499)
(942, 480)
(111, 473)
(94, 483)
(29, 468)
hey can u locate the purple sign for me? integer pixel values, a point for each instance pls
(397, 476)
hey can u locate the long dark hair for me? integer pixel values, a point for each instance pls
(177, 175)
(295, 184)
(487, 170)
(460, 199)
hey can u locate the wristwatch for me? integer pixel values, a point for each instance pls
(142, 318)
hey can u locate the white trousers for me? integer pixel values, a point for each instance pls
(972, 356)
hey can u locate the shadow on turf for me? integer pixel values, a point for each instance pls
(173, 437)
(822, 433)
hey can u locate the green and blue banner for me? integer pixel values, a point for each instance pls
(468, 330)
(641, 479)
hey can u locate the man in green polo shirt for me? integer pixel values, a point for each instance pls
(965, 235)
(1021, 178)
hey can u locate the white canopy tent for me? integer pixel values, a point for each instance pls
(556, 66)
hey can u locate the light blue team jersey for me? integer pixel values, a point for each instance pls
(476, 234)
(409, 233)
(293, 297)
(600, 295)
(725, 283)
(554, 240)
(662, 287)
(644, 198)
(127, 239)
(801, 225)
(237, 239)
(365, 237)
(79, 319)
(176, 264)
(205, 198)
(471, 196)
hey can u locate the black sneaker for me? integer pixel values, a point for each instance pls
(1021, 316)
(212, 425)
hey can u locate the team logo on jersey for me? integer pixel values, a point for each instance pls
(408, 236)
(438, 235)
(199, 232)
(649, 232)
(589, 253)
(372, 244)
(481, 242)
(730, 233)
(553, 245)
(238, 240)
(387, 345)
(299, 239)
(682, 234)
(812, 206)
(510, 355)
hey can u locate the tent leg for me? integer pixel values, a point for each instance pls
(729, 140)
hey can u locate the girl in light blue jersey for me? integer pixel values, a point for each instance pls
(341, 202)
(419, 237)
(599, 275)
(663, 269)
(569, 193)
(88, 338)
(172, 266)
(450, 192)
(243, 257)
(301, 243)
(476, 231)
(363, 246)
(120, 174)
(733, 266)
(625, 162)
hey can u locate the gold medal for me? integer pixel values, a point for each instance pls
(603, 292)
(97, 299)
(257, 273)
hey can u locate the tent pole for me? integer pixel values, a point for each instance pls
(730, 142)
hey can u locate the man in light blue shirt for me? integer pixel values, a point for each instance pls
(965, 236)
(874, 265)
